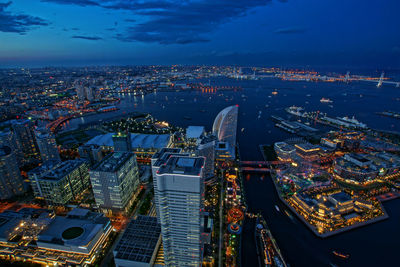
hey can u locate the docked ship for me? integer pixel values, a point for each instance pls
(297, 111)
(353, 121)
(267, 248)
(346, 122)
(325, 100)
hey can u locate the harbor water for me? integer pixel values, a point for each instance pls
(372, 245)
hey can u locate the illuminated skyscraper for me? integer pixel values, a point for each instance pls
(180, 193)
(26, 140)
(160, 158)
(115, 181)
(47, 145)
(8, 138)
(225, 127)
(11, 182)
(60, 182)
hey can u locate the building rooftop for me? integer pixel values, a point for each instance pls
(164, 150)
(113, 161)
(54, 170)
(285, 147)
(183, 165)
(146, 141)
(307, 147)
(358, 157)
(194, 131)
(139, 241)
(341, 197)
(74, 232)
(166, 156)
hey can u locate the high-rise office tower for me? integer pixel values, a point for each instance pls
(225, 127)
(122, 142)
(47, 145)
(26, 140)
(80, 91)
(115, 181)
(160, 158)
(11, 182)
(90, 93)
(60, 182)
(180, 193)
(7, 138)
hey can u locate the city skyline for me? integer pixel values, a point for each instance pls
(284, 33)
(199, 133)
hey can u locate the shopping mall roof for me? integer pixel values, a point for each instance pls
(145, 141)
(194, 131)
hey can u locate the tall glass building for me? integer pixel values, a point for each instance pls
(225, 127)
(115, 181)
(11, 182)
(47, 145)
(180, 193)
(60, 182)
(26, 140)
(160, 158)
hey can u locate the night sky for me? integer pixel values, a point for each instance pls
(342, 33)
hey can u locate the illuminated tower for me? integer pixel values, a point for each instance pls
(180, 193)
(47, 146)
(11, 182)
(26, 140)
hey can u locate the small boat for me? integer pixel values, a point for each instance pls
(325, 100)
(242, 130)
(289, 215)
(341, 255)
(277, 208)
(274, 92)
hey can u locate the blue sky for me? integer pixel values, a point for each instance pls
(325, 33)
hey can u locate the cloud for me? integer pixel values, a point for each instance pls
(90, 38)
(174, 21)
(18, 23)
(130, 20)
(74, 2)
(290, 30)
